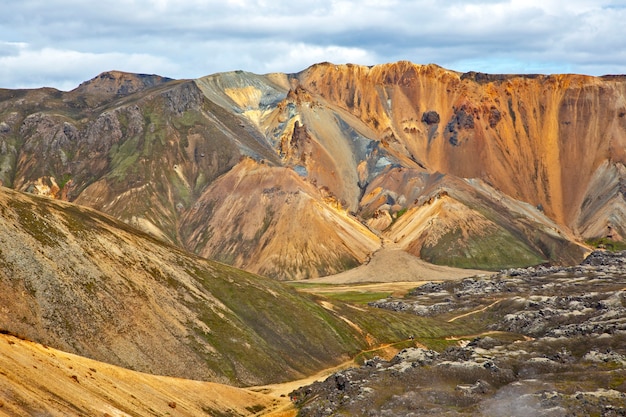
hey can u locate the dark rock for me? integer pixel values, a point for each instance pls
(430, 117)
(456, 353)
(604, 258)
(341, 382)
(461, 120)
(494, 117)
(485, 342)
(429, 287)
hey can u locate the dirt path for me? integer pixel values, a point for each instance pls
(475, 311)
(283, 389)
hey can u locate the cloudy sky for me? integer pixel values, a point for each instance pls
(60, 43)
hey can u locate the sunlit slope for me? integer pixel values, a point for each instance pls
(469, 224)
(268, 220)
(539, 139)
(41, 380)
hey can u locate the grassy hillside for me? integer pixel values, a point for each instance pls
(85, 283)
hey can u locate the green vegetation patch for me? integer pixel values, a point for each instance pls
(496, 249)
(33, 217)
(271, 330)
(188, 119)
(304, 284)
(607, 243)
(267, 329)
(391, 327)
(124, 158)
(357, 297)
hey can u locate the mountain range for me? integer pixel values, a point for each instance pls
(296, 176)
(146, 222)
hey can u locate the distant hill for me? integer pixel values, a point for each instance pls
(303, 175)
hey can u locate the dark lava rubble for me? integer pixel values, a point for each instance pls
(546, 341)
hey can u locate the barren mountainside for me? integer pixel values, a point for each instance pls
(303, 175)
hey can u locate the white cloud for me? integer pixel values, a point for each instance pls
(296, 57)
(65, 69)
(63, 42)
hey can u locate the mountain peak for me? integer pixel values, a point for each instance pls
(119, 83)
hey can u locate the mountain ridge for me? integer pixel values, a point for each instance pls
(363, 141)
(292, 177)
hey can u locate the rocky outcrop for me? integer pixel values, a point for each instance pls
(461, 120)
(430, 117)
(473, 380)
(112, 84)
(548, 312)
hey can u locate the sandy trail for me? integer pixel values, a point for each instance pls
(480, 310)
(283, 389)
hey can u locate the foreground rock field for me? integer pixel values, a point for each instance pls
(553, 343)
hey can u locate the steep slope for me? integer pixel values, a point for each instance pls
(138, 149)
(177, 145)
(603, 211)
(469, 224)
(148, 159)
(87, 284)
(270, 221)
(373, 138)
(538, 139)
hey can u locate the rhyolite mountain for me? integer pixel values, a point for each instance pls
(302, 175)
